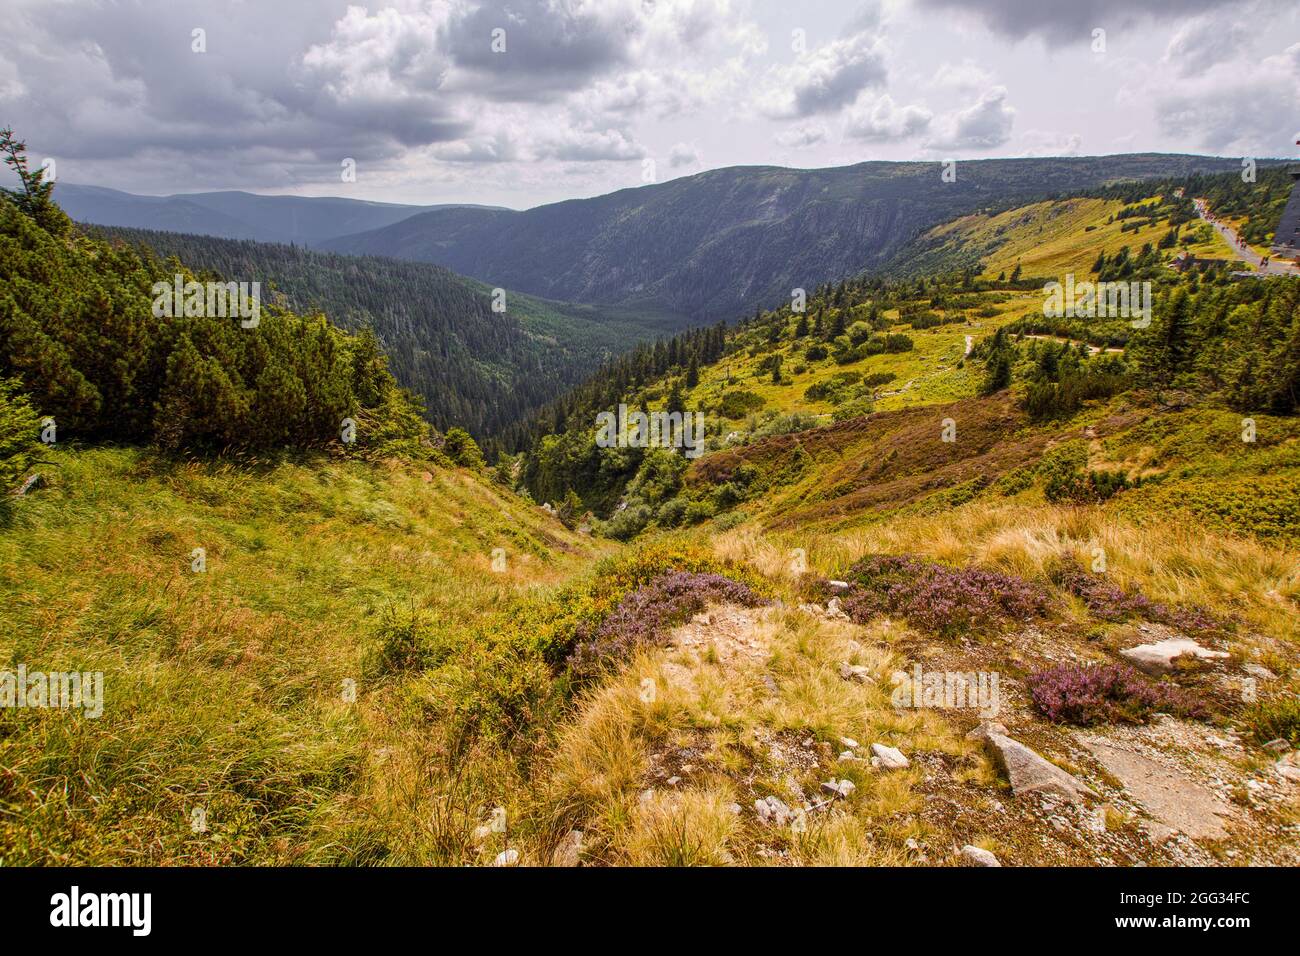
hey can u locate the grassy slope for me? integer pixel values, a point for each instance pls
(1052, 239)
(224, 689)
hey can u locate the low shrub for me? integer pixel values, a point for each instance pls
(407, 639)
(645, 615)
(1112, 603)
(739, 403)
(1085, 486)
(939, 598)
(1110, 693)
(1274, 718)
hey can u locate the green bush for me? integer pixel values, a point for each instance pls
(739, 403)
(1090, 486)
(461, 448)
(19, 430)
(1274, 718)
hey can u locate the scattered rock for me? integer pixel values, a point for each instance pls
(674, 781)
(772, 810)
(569, 852)
(849, 755)
(842, 585)
(1278, 745)
(888, 758)
(1258, 670)
(850, 743)
(506, 858)
(974, 856)
(834, 610)
(426, 476)
(1031, 773)
(1159, 657)
(839, 788)
(856, 672)
(985, 728)
(1289, 767)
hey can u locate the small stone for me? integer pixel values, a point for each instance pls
(36, 480)
(856, 672)
(1258, 670)
(646, 796)
(834, 610)
(735, 808)
(977, 857)
(850, 743)
(772, 810)
(674, 781)
(985, 728)
(569, 852)
(839, 788)
(506, 858)
(1160, 656)
(890, 758)
(1278, 746)
(426, 476)
(849, 755)
(842, 585)
(1028, 772)
(1288, 768)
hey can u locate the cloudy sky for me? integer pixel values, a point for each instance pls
(520, 102)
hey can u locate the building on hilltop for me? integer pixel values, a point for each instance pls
(1286, 239)
(1185, 261)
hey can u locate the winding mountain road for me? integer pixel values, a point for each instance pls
(1275, 267)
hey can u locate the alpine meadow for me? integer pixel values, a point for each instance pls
(522, 434)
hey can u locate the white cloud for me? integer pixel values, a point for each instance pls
(587, 146)
(826, 79)
(1236, 107)
(986, 124)
(684, 154)
(1205, 41)
(964, 77)
(802, 136)
(1064, 22)
(883, 121)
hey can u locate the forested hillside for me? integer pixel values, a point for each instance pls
(84, 343)
(475, 368)
(874, 346)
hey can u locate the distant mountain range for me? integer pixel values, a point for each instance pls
(304, 220)
(716, 244)
(705, 247)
